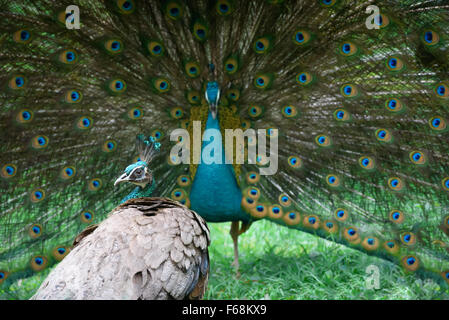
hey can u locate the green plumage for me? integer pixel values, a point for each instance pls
(362, 117)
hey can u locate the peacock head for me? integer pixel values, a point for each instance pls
(212, 97)
(139, 173)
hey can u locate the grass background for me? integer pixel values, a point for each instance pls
(281, 263)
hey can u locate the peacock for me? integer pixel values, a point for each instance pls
(148, 248)
(349, 100)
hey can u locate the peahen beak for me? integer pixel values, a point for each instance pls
(123, 178)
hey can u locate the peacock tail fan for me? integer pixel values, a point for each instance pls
(359, 105)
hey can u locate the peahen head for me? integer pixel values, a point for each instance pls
(212, 97)
(139, 173)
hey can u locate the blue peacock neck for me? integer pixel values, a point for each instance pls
(140, 192)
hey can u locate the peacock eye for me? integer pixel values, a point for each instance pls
(138, 171)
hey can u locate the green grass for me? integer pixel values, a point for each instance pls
(281, 263)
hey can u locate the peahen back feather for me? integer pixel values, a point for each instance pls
(362, 117)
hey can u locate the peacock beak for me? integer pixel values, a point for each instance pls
(123, 178)
(213, 110)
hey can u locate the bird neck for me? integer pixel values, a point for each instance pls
(140, 192)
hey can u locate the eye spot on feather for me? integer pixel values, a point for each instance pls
(84, 123)
(323, 141)
(391, 246)
(341, 214)
(328, 3)
(263, 45)
(384, 135)
(3, 276)
(442, 90)
(292, 218)
(68, 57)
(289, 111)
(275, 211)
(349, 91)
(109, 146)
(155, 48)
(24, 116)
(60, 252)
(125, 6)
(157, 134)
(8, 171)
(342, 115)
(304, 78)
(351, 234)
(396, 184)
(68, 172)
(430, 38)
(411, 263)
(408, 238)
(178, 194)
(311, 222)
(94, 184)
(252, 177)
(263, 81)
(395, 64)
(39, 142)
(252, 192)
(135, 113)
(255, 111)
(284, 200)
(223, 7)
(35, 231)
(367, 162)
(348, 49)
(114, 46)
(183, 181)
(174, 10)
(161, 85)
(38, 263)
(176, 113)
(37, 195)
(86, 216)
(330, 227)
(22, 36)
(370, 243)
(394, 105)
(259, 211)
(333, 180)
(437, 124)
(418, 157)
(382, 20)
(396, 216)
(117, 86)
(445, 184)
(301, 37)
(73, 96)
(231, 65)
(200, 31)
(17, 82)
(192, 69)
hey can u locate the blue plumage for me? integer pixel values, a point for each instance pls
(215, 194)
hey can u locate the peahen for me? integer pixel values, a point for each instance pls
(355, 92)
(148, 248)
